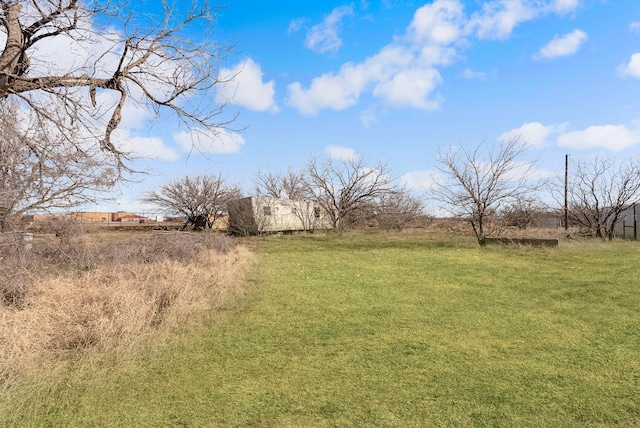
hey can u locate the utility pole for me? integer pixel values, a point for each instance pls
(566, 191)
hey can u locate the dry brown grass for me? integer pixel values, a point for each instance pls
(461, 227)
(86, 297)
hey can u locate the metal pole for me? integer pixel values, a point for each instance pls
(566, 191)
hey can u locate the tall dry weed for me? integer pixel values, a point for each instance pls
(122, 294)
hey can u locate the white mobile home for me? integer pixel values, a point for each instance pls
(259, 214)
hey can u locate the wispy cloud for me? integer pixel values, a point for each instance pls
(565, 45)
(422, 180)
(473, 75)
(202, 141)
(296, 24)
(341, 153)
(497, 19)
(144, 147)
(324, 36)
(564, 6)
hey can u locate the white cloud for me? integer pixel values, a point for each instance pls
(296, 24)
(534, 133)
(324, 36)
(610, 137)
(341, 153)
(564, 6)
(143, 147)
(368, 117)
(438, 23)
(422, 180)
(562, 45)
(498, 18)
(632, 68)
(410, 88)
(404, 74)
(473, 75)
(329, 91)
(222, 142)
(634, 27)
(247, 88)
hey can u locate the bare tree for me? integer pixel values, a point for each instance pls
(289, 185)
(398, 209)
(40, 170)
(476, 187)
(202, 199)
(342, 188)
(600, 190)
(524, 212)
(161, 63)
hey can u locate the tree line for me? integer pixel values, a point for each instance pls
(60, 120)
(490, 186)
(349, 193)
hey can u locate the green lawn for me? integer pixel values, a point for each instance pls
(385, 330)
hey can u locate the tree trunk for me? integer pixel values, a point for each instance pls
(13, 51)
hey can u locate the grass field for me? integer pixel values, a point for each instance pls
(383, 330)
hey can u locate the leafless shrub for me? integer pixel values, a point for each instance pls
(422, 221)
(68, 231)
(397, 210)
(523, 213)
(18, 269)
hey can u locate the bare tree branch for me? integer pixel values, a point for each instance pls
(39, 170)
(170, 67)
(289, 185)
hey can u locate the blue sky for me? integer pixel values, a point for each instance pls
(398, 80)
